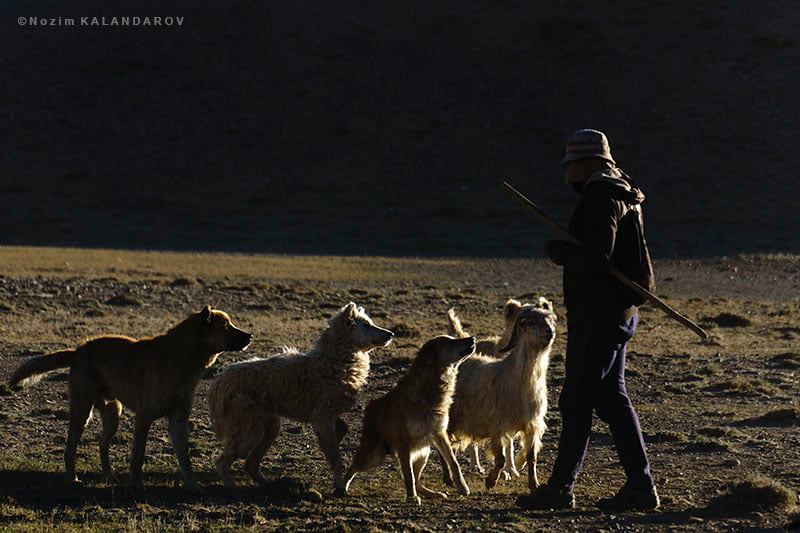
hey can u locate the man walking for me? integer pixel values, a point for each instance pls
(601, 319)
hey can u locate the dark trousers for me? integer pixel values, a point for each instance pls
(595, 381)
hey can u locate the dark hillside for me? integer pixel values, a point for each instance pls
(357, 127)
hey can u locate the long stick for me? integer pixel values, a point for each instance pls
(644, 293)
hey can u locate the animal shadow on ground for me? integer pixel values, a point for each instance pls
(40, 490)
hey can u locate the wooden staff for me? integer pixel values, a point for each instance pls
(614, 271)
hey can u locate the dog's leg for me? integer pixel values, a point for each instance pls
(80, 412)
(510, 469)
(179, 434)
(443, 445)
(224, 462)
(404, 456)
(533, 478)
(475, 459)
(447, 476)
(252, 464)
(370, 454)
(325, 428)
(499, 462)
(140, 430)
(534, 446)
(418, 465)
(109, 414)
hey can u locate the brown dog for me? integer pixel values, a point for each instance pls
(414, 413)
(154, 377)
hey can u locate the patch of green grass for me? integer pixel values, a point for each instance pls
(755, 494)
(790, 361)
(705, 444)
(727, 320)
(513, 517)
(786, 417)
(741, 386)
(16, 462)
(403, 330)
(720, 433)
(665, 436)
(708, 370)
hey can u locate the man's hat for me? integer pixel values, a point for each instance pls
(587, 143)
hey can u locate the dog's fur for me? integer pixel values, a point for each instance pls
(154, 377)
(497, 399)
(248, 399)
(489, 347)
(414, 413)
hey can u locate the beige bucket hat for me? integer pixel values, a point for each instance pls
(587, 143)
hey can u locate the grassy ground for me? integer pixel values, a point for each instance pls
(702, 404)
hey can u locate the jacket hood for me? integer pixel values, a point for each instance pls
(622, 185)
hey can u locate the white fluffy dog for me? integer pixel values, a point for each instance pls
(248, 399)
(498, 399)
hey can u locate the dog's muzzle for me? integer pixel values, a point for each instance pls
(388, 339)
(242, 343)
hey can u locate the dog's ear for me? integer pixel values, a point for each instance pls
(512, 307)
(512, 341)
(544, 303)
(426, 354)
(205, 314)
(348, 312)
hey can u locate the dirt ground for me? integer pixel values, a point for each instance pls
(698, 401)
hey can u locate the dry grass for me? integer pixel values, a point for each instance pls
(173, 266)
(284, 302)
(742, 386)
(776, 418)
(755, 494)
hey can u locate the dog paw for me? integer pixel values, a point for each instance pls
(491, 482)
(414, 500)
(479, 470)
(339, 492)
(505, 475)
(464, 490)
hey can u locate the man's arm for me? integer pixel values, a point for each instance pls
(601, 214)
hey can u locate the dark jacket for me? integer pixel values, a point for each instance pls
(608, 220)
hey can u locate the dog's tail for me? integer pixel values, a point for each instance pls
(456, 329)
(32, 370)
(216, 405)
(228, 405)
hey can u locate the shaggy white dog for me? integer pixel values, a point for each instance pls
(248, 399)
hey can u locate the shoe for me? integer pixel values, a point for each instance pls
(547, 498)
(631, 499)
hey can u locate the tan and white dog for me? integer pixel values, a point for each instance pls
(413, 414)
(248, 399)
